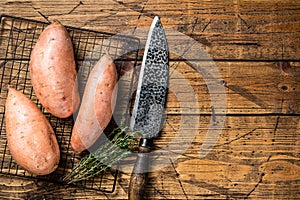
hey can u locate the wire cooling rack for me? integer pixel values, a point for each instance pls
(17, 39)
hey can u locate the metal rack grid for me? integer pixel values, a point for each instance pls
(17, 39)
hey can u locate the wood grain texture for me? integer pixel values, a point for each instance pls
(237, 29)
(249, 87)
(253, 157)
(255, 47)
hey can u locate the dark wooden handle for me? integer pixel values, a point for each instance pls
(139, 175)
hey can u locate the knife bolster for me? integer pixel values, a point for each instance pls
(146, 143)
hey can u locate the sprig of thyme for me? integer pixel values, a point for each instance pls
(118, 146)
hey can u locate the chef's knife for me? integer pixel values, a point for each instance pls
(149, 103)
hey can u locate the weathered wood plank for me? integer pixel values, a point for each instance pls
(255, 157)
(251, 87)
(232, 30)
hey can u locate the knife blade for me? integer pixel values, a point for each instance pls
(149, 103)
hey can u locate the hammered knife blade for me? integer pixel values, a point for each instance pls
(149, 103)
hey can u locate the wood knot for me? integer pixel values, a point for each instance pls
(223, 82)
(283, 87)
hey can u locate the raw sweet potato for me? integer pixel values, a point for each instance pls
(53, 71)
(97, 105)
(31, 139)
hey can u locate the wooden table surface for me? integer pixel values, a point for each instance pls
(255, 46)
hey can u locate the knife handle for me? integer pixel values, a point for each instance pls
(139, 176)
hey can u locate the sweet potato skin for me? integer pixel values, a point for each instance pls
(31, 139)
(97, 105)
(53, 71)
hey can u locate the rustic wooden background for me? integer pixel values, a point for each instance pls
(256, 47)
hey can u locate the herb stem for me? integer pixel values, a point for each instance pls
(118, 145)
